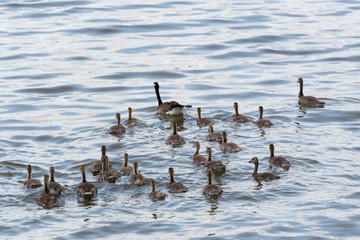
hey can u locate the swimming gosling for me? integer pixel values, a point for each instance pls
(117, 129)
(211, 189)
(278, 161)
(213, 137)
(126, 170)
(238, 118)
(55, 187)
(197, 158)
(46, 200)
(263, 122)
(228, 147)
(308, 101)
(85, 189)
(29, 182)
(174, 138)
(136, 178)
(175, 187)
(263, 176)
(156, 195)
(130, 122)
(202, 122)
(214, 166)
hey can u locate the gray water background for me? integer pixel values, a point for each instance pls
(68, 66)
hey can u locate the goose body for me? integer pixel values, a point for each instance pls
(85, 189)
(97, 167)
(55, 187)
(278, 161)
(308, 101)
(118, 128)
(46, 199)
(174, 138)
(211, 189)
(228, 147)
(203, 122)
(170, 108)
(214, 137)
(239, 118)
(126, 170)
(214, 166)
(263, 176)
(197, 158)
(29, 182)
(156, 195)
(263, 122)
(175, 187)
(136, 178)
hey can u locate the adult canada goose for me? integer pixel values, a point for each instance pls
(117, 129)
(85, 189)
(263, 122)
(29, 182)
(97, 167)
(214, 137)
(174, 138)
(264, 176)
(46, 200)
(308, 101)
(278, 161)
(106, 174)
(214, 166)
(171, 108)
(211, 189)
(198, 159)
(136, 178)
(228, 147)
(203, 122)
(55, 187)
(175, 187)
(126, 170)
(156, 195)
(131, 121)
(239, 118)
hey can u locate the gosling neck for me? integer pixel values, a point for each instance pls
(52, 174)
(209, 178)
(103, 151)
(236, 109)
(256, 167)
(46, 184)
(152, 184)
(261, 110)
(197, 149)
(103, 164)
(135, 168)
(83, 174)
(129, 113)
(171, 173)
(118, 118)
(173, 125)
(208, 151)
(29, 172)
(272, 150)
(199, 112)
(211, 129)
(224, 140)
(126, 159)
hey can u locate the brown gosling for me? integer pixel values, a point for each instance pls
(239, 118)
(156, 195)
(263, 122)
(197, 158)
(308, 101)
(126, 170)
(174, 138)
(46, 200)
(228, 147)
(29, 182)
(106, 174)
(136, 178)
(213, 137)
(263, 176)
(85, 189)
(171, 108)
(175, 187)
(55, 187)
(96, 168)
(117, 129)
(278, 161)
(131, 121)
(203, 122)
(211, 189)
(214, 166)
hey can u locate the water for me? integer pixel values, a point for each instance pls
(68, 66)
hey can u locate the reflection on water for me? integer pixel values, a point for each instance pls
(69, 66)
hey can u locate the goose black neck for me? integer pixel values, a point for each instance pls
(156, 86)
(301, 94)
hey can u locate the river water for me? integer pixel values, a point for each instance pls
(68, 66)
